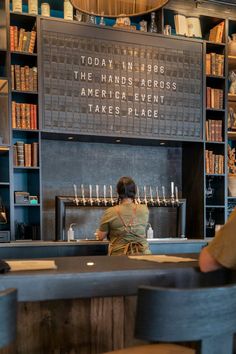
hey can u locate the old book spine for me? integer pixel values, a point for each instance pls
(27, 73)
(32, 41)
(20, 153)
(13, 114)
(208, 64)
(23, 118)
(12, 40)
(20, 42)
(17, 78)
(12, 77)
(35, 79)
(22, 79)
(18, 116)
(27, 116)
(35, 161)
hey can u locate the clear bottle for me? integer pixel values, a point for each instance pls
(33, 7)
(68, 10)
(153, 26)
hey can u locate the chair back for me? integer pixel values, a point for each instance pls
(8, 312)
(179, 315)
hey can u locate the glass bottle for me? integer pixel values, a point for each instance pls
(102, 21)
(153, 26)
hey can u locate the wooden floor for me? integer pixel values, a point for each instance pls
(83, 326)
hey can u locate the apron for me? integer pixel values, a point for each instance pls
(128, 242)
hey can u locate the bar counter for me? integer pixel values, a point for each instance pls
(52, 249)
(90, 309)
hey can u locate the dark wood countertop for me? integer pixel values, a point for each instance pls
(109, 276)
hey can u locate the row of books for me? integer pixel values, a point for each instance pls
(214, 98)
(24, 78)
(24, 116)
(214, 130)
(217, 32)
(25, 155)
(215, 64)
(214, 163)
(22, 40)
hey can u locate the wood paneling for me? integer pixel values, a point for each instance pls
(83, 326)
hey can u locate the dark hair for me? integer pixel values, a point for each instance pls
(126, 188)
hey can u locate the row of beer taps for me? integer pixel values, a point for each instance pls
(150, 196)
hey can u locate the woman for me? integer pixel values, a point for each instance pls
(125, 224)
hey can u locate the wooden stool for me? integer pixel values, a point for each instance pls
(169, 315)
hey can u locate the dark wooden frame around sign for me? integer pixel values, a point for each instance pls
(190, 124)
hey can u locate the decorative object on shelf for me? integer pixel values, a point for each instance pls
(210, 222)
(118, 8)
(3, 215)
(231, 161)
(187, 26)
(209, 189)
(68, 10)
(92, 19)
(102, 20)
(124, 22)
(153, 26)
(167, 30)
(143, 26)
(232, 79)
(33, 7)
(17, 5)
(231, 119)
(232, 45)
(78, 16)
(45, 9)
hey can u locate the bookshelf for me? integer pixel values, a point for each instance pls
(24, 123)
(194, 183)
(231, 133)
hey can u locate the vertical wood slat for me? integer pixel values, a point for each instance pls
(84, 326)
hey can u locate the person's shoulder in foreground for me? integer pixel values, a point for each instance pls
(221, 251)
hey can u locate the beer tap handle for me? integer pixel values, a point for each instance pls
(176, 195)
(111, 195)
(97, 194)
(172, 198)
(163, 195)
(91, 194)
(151, 196)
(158, 198)
(82, 193)
(104, 194)
(138, 196)
(76, 196)
(145, 194)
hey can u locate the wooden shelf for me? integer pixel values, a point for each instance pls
(25, 92)
(26, 205)
(3, 184)
(232, 135)
(231, 97)
(215, 206)
(24, 53)
(231, 62)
